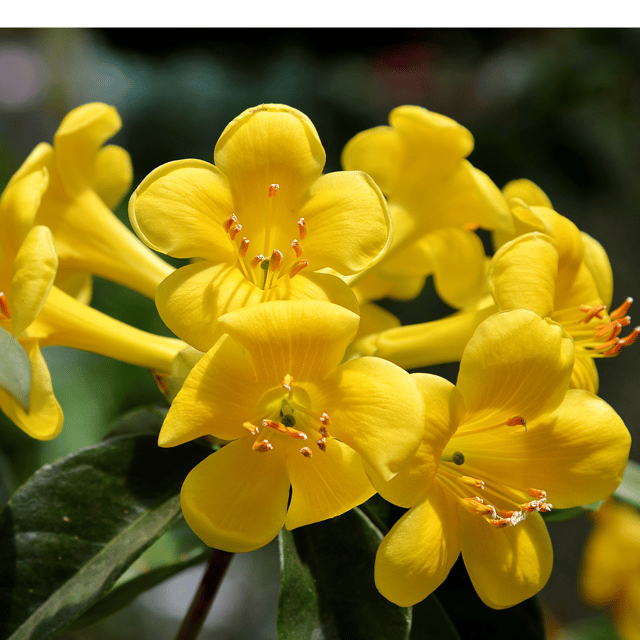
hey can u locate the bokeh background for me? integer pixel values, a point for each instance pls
(558, 106)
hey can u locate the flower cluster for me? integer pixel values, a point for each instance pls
(288, 368)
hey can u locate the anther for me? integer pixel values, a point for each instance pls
(257, 260)
(244, 247)
(306, 452)
(477, 504)
(538, 494)
(621, 310)
(229, 222)
(302, 228)
(235, 230)
(287, 381)
(295, 434)
(262, 446)
(473, 482)
(611, 329)
(517, 421)
(324, 418)
(251, 428)
(274, 425)
(596, 311)
(4, 306)
(632, 337)
(276, 260)
(298, 267)
(322, 444)
(273, 188)
(297, 247)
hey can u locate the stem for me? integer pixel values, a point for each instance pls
(206, 592)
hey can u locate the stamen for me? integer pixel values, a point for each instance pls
(302, 228)
(235, 230)
(298, 267)
(251, 428)
(324, 418)
(610, 329)
(262, 446)
(274, 425)
(273, 188)
(4, 306)
(477, 505)
(287, 381)
(276, 260)
(244, 247)
(591, 312)
(256, 261)
(295, 434)
(322, 444)
(306, 452)
(511, 422)
(473, 482)
(621, 310)
(229, 222)
(297, 247)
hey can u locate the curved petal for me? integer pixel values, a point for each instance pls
(373, 320)
(459, 263)
(523, 274)
(77, 284)
(378, 152)
(508, 565)
(303, 338)
(265, 145)
(445, 410)
(236, 499)
(516, 364)
(584, 374)
(191, 299)
(112, 174)
(376, 409)
(327, 484)
(528, 192)
(597, 261)
(34, 271)
(44, 419)
(348, 222)
(219, 395)
(577, 453)
(417, 554)
(180, 208)
(78, 140)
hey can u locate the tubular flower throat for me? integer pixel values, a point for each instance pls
(294, 419)
(504, 445)
(263, 219)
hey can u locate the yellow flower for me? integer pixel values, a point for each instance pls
(294, 418)
(85, 181)
(610, 572)
(436, 199)
(508, 441)
(263, 219)
(37, 313)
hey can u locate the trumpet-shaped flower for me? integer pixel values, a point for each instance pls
(436, 199)
(503, 445)
(37, 313)
(610, 572)
(295, 419)
(263, 219)
(85, 181)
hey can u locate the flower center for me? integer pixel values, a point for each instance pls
(265, 272)
(599, 334)
(501, 505)
(289, 417)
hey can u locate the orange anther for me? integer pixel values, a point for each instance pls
(251, 428)
(235, 230)
(302, 228)
(298, 267)
(244, 247)
(596, 311)
(274, 425)
(275, 261)
(273, 188)
(500, 523)
(517, 421)
(297, 247)
(229, 222)
(324, 418)
(287, 381)
(262, 446)
(609, 330)
(632, 337)
(538, 494)
(621, 310)
(507, 514)
(4, 306)
(477, 505)
(257, 260)
(306, 452)
(295, 434)
(322, 444)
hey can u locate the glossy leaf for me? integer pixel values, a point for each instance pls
(72, 529)
(15, 368)
(327, 590)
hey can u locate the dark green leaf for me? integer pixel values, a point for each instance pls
(15, 368)
(557, 515)
(73, 528)
(431, 621)
(141, 421)
(327, 590)
(629, 489)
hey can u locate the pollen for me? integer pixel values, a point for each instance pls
(262, 446)
(306, 452)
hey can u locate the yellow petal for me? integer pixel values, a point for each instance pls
(577, 453)
(417, 554)
(516, 364)
(34, 272)
(264, 145)
(459, 263)
(523, 273)
(584, 374)
(373, 320)
(78, 140)
(508, 565)
(378, 152)
(376, 409)
(348, 222)
(527, 191)
(304, 338)
(191, 299)
(445, 410)
(112, 174)
(597, 261)
(77, 284)
(236, 499)
(44, 419)
(219, 395)
(325, 485)
(180, 208)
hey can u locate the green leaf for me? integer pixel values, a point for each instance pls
(15, 368)
(558, 515)
(629, 489)
(430, 620)
(140, 421)
(327, 590)
(73, 528)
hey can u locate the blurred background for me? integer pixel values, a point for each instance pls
(558, 106)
